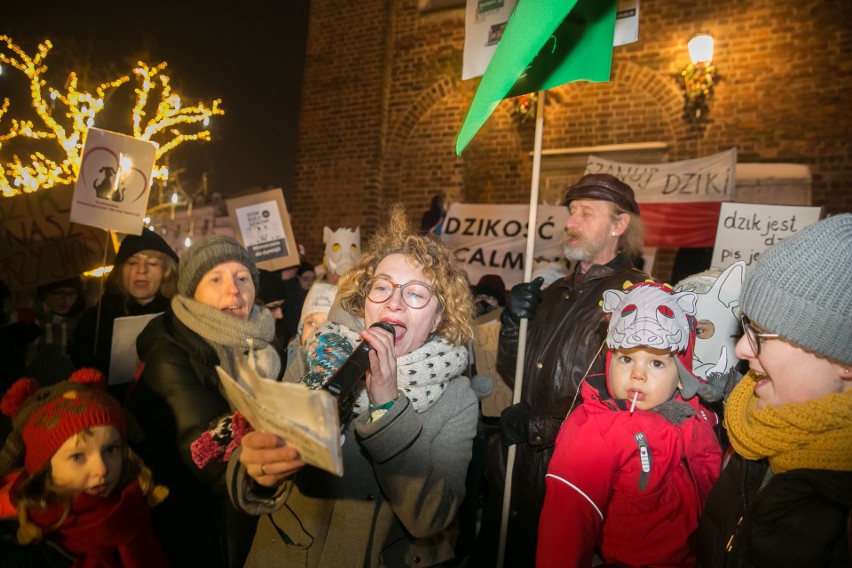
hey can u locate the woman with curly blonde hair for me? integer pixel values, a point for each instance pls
(438, 264)
(408, 428)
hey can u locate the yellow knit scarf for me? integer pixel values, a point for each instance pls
(816, 434)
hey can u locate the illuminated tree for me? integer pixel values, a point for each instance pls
(157, 116)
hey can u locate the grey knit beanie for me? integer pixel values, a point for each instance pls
(801, 289)
(207, 253)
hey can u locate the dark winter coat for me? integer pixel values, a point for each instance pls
(567, 330)
(112, 306)
(800, 518)
(176, 399)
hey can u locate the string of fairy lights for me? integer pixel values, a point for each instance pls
(158, 115)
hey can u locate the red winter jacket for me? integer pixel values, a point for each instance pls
(106, 532)
(600, 499)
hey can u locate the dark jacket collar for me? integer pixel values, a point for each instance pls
(620, 263)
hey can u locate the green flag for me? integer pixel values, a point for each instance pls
(547, 43)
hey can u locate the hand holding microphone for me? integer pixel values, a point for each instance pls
(355, 367)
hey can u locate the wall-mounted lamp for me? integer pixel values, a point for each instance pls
(699, 77)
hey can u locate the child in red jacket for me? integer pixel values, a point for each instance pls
(633, 464)
(81, 486)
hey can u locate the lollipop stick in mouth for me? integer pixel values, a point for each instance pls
(633, 403)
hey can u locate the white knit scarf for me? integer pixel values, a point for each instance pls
(422, 375)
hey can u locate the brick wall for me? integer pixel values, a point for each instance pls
(383, 101)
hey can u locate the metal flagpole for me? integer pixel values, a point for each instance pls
(101, 294)
(522, 331)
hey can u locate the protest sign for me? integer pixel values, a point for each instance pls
(678, 201)
(712, 178)
(491, 239)
(745, 230)
(114, 182)
(261, 223)
(39, 244)
(486, 335)
(626, 22)
(123, 359)
(484, 23)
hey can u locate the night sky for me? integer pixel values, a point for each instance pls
(250, 54)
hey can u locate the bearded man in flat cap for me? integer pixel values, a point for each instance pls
(603, 237)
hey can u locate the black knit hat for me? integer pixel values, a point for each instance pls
(148, 240)
(305, 266)
(491, 285)
(208, 253)
(603, 187)
(74, 282)
(272, 288)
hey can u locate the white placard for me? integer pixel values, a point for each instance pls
(123, 360)
(491, 239)
(711, 178)
(745, 230)
(484, 23)
(114, 182)
(626, 22)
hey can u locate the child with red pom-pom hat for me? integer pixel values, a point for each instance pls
(81, 486)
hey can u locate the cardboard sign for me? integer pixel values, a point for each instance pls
(261, 223)
(746, 230)
(39, 244)
(114, 182)
(487, 333)
(491, 239)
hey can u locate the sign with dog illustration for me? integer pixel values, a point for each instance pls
(114, 182)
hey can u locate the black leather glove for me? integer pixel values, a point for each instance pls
(524, 298)
(514, 424)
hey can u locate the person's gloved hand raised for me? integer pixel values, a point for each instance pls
(524, 298)
(514, 424)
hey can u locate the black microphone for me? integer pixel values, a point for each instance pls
(355, 367)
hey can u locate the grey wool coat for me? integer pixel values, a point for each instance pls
(396, 504)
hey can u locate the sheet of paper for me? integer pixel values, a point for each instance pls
(306, 419)
(123, 360)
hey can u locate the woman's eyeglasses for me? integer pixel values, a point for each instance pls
(59, 294)
(753, 335)
(415, 295)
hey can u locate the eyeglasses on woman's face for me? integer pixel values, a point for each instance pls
(753, 335)
(415, 295)
(63, 293)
